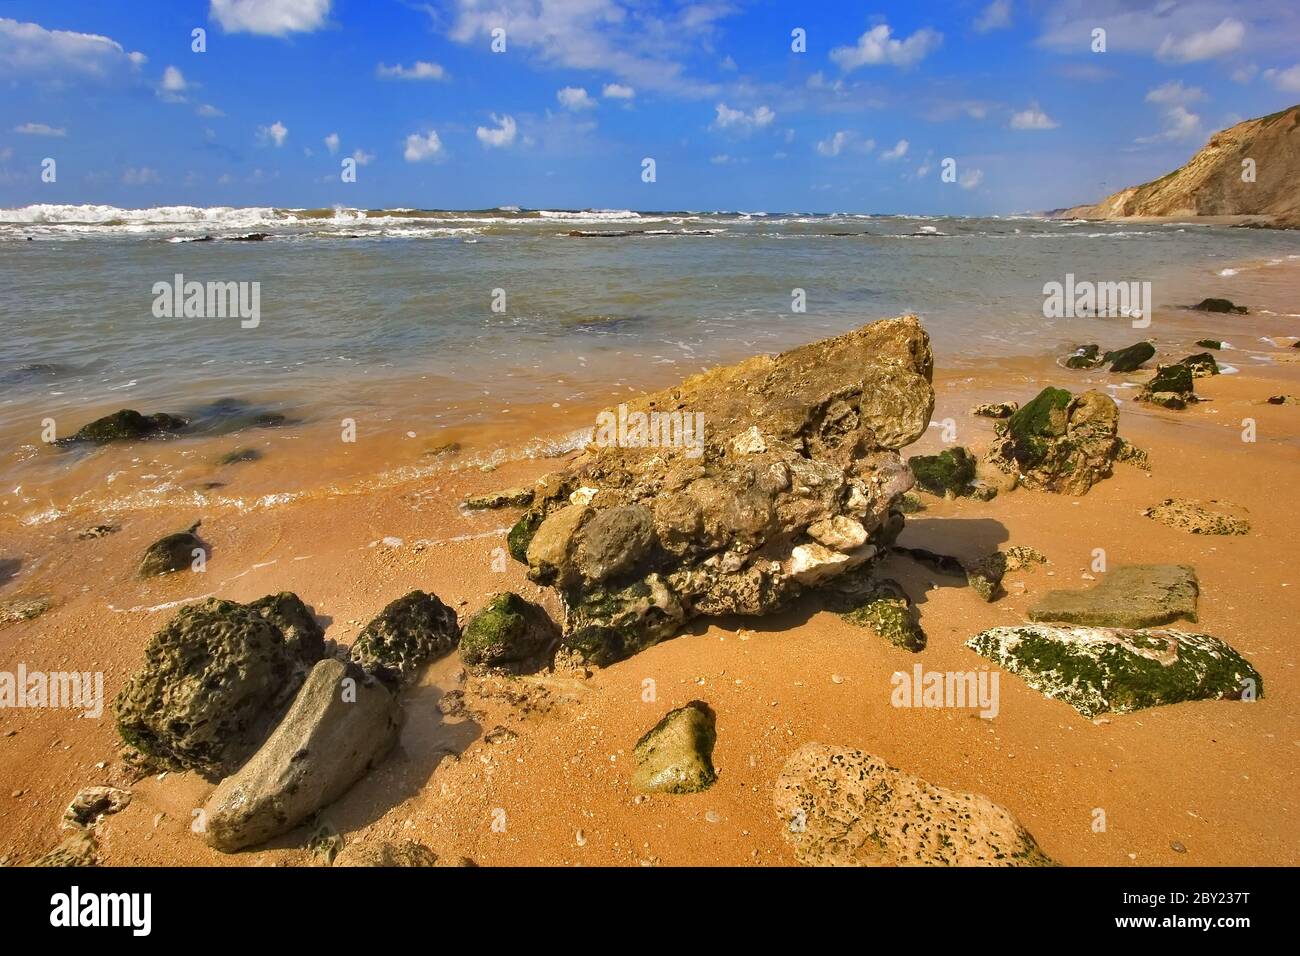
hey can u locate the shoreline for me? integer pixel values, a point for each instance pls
(1219, 782)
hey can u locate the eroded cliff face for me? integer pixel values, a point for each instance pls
(792, 481)
(1212, 183)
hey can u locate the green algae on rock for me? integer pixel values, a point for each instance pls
(676, 755)
(521, 535)
(844, 807)
(1185, 514)
(507, 630)
(128, 425)
(505, 498)
(1085, 357)
(1117, 670)
(948, 474)
(406, 634)
(879, 605)
(1059, 442)
(1135, 595)
(995, 410)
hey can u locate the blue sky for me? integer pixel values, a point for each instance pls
(586, 89)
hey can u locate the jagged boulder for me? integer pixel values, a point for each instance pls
(408, 633)
(215, 679)
(1059, 442)
(843, 807)
(340, 725)
(793, 481)
(1097, 670)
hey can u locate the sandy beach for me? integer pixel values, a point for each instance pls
(1199, 783)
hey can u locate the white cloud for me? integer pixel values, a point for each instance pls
(996, 16)
(144, 176)
(1180, 124)
(270, 17)
(173, 80)
(898, 151)
(844, 139)
(420, 149)
(28, 49)
(970, 178)
(332, 143)
(740, 121)
(276, 133)
(361, 157)
(501, 136)
(1174, 92)
(1032, 118)
(419, 70)
(1287, 80)
(722, 159)
(1206, 45)
(575, 98)
(40, 129)
(617, 91)
(207, 109)
(878, 47)
(1244, 74)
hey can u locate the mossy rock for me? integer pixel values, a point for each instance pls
(676, 755)
(995, 410)
(405, 635)
(128, 425)
(985, 575)
(1130, 359)
(1201, 364)
(949, 473)
(1176, 378)
(1112, 670)
(1219, 305)
(1135, 595)
(886, 610)
(1040, 420)
(521, 535)
(174, 552)
(507, 630)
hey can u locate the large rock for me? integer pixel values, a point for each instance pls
(215, 679)
(1099, 669)
(676, 755)
(1130, 358)
(949, 474)
(1172, 386)
(173, 552)
(405, 635)
(843, 807)
(128, 425)
(1135, 595)
(794, 482)
(1059, 442)
(341, 723)
(507, 631)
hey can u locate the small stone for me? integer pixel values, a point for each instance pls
(1177, 847)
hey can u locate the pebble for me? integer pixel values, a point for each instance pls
(1177, 847)
(713, 816)
(837, 679)
(581, 838)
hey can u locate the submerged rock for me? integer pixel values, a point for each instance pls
(1219, 305)
(239, 456)
(128, 425)
(405, 635)
(843, 807)
(385, 854)
(174, 552)
(1085, 356)
(339, 726)
(795, 459)
(215, 679)
(880, 605)
(1135, 595)
(98, 531)
(507, 630)
(1098, 670)
(676, 755)
(949, 474)
(1129, 359)
(1185, 514)
(1059, 442)
(506, 498)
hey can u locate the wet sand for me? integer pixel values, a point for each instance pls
(1216, 778)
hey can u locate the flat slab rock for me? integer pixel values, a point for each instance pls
(843, 807)
(1135, 595)
(1098, 670)
(1195, 517)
